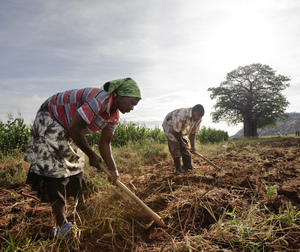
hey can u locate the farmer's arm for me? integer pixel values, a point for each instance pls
(106, 154)
(180, 139)
(192, 141)
(75, 131)
(192, 135)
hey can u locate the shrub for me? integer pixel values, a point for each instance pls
(14, 135)
(209, 135)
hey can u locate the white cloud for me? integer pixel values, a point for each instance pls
(175, 50)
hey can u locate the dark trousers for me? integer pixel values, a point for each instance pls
(175, 149)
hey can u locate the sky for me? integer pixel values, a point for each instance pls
(174, 49)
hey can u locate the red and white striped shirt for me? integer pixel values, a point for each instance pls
(93, 105)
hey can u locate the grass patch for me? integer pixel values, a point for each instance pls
(13, 169)
(230, 216)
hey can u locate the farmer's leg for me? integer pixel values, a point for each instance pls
(76, 188)
(59, 210)
(186, 157)
(81, 203)
(174, 148)
(187, 162)
(58, 198)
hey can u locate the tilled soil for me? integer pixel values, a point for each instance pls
(191, 204)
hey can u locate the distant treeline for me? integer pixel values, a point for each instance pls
(14, 135)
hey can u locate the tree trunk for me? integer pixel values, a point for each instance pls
(250, 127)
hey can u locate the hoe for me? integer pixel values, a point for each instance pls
(208, 161)
(154, 215)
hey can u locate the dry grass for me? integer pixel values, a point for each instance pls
(253, 207)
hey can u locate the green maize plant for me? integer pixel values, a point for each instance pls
(93, 138)
(130, 133)
(158, 135)
(209, 135)
(14, 135)
(134, 133)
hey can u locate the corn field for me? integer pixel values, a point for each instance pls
(128, 133)
(14, 135)
(209, 135)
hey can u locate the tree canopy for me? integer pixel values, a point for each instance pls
(252, 95)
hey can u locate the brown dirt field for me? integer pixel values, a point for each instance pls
(190, 204)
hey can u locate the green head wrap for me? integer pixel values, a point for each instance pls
(123, 87)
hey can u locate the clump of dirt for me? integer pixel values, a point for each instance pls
(192, 205)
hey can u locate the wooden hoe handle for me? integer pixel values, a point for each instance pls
(207, 160)
(154, 215)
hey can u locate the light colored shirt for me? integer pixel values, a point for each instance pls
(93, 105)
(181, 121)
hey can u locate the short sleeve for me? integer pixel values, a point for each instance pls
(89, 110)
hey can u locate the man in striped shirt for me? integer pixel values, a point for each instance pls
(177, 125)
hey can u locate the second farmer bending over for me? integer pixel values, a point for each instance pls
(177, 125)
